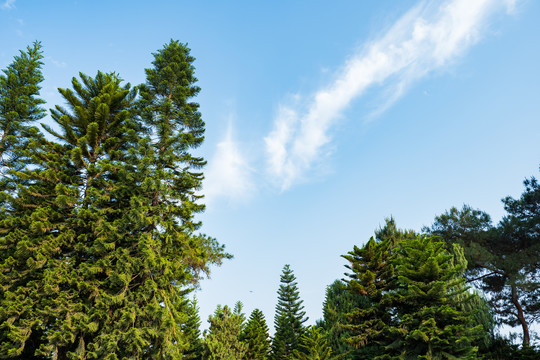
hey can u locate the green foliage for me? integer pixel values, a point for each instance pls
(222, 342)
(503, 259)
(289, 318)
(338, 302)
(372, 277)
(428, 288)
(314, 346)
(503, 349)
(255, 335)
(19, 107)
(415, 288)
(192, 332)
(98, 238)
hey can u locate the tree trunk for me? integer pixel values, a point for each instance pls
(521, 317)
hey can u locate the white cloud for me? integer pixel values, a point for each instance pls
(58, 64)
(430, 36)
(229, 174)
(8, 5)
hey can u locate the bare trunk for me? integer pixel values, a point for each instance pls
(521, 317)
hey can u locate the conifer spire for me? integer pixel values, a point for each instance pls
(289, 318)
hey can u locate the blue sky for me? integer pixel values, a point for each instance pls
(322, 118)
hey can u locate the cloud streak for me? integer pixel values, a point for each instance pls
(428, 37)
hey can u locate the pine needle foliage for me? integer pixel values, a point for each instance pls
(222, 342)
(20, 108)
(314, 346)
(192, 332)
(338, 302)
(429, 285)
(372, 276)
(503, 259)
(289, 318)
(256, 336)
(416, 288)
(99, 233)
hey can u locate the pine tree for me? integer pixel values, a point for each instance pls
(30, 218)
(289, 318)
(503, 259)
(19, 108)
(192, 332)
(222, 342)
(338, 302)
(430, 284)
(32, 233)
(101, 232)
(314, 346)
(416, 291)
(255, 335)
(373, 277)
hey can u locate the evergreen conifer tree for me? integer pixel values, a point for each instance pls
(503, 259)
(222, 342)
(289, 318)
(416, 292)
(101, 231)
(314, 346)
(192, 332)
(30, 219)
(430, 284)
(32, 231)
(20, 106)
(338, 302)
(255, 335)
(373, 277)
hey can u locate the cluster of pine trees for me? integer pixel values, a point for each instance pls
(100, 247)
(407, 296)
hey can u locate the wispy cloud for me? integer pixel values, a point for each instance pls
(229, 174)
(57, 63)
(430, 36)
(8, 5)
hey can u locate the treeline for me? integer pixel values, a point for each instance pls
(100, 247)
(441, 294)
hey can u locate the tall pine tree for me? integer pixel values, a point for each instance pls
(101, 232)
(289, 318)
(503, 259)
(372, 276)
(30, 219)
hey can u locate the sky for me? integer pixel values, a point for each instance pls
(322, 118)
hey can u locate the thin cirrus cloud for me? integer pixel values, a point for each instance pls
(8, 5)
(428, 37)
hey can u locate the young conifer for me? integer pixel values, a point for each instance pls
(289, 318)
(314, 346)
(222, 341)
(256, 336)
(430, 284)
